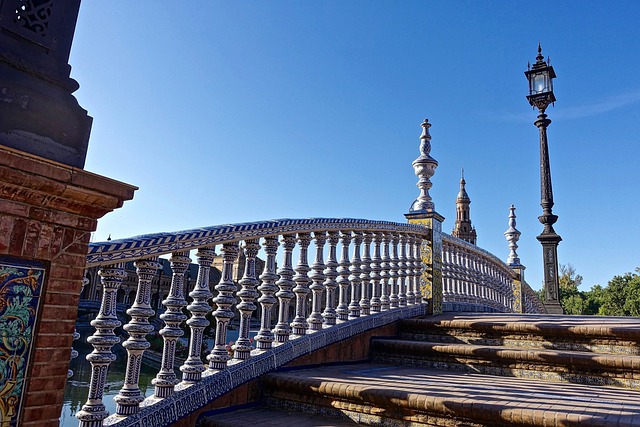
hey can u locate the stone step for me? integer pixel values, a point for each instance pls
(550, 365)
(375, 394)
(265, 416)
(594, 334)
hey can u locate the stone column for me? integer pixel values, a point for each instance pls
(423, 212)
(513, 235)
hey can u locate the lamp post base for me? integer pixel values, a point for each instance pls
(553, 308)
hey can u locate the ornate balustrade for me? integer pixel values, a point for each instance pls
(476, 280)
(300, 307)
(531, 301)
(330, 300)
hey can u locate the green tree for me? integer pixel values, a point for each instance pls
(594, 298)
(621, 297)
(573, 301)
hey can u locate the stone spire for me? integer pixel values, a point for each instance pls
(512, 235)
(463, 228)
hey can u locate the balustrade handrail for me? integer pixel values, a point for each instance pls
(376, 281)
(332, 300)
(128, 249)
(500, 295)
(479, 251)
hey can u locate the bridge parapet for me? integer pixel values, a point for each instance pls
(314, 305)
(296, 296)
(476, 280)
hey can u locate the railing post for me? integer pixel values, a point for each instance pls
(354, 277)
(402, 272)
(129, 398)
(431, 252)
(93, 411)
(268, 288)
(331, 273)
(247, 295)
(343, 282)
(193, 367)
(219, 355)
(299, 325)
(284, 294)
(418, 269)
(394, 300)
(423, 212)
(376, 268)
(365, 303)
(411, 276)
(385, 274)
(518, 294)
(317, 276)
(513, 235)
(166, 379)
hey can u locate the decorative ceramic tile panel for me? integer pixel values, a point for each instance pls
(21, 283)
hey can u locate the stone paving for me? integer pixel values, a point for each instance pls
(536, 323)
(390, 394)
(512, 401)
(499, 401)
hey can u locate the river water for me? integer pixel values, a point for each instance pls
(77, 388)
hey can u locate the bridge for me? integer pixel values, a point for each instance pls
(366, 280)
(376, 322)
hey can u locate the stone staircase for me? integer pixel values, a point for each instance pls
(467, 370)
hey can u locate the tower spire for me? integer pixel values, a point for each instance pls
(463, 228)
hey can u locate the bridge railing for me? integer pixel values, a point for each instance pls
(476, 280)
(364, 274)
(375, 280)
(531, 301)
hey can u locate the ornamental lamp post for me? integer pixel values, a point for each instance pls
(540, 77)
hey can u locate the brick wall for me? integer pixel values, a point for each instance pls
(47, 213)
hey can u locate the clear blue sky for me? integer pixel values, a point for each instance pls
(225, 112)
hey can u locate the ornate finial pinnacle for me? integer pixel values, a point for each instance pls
(425, 129)
(539, 58)
(424, 167)
(512, 235)
(109, 238)
(462, 173)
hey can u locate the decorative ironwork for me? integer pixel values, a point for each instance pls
(34, 15)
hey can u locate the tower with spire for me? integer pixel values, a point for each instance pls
(463, 228)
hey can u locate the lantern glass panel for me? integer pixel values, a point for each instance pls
(539, 83)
